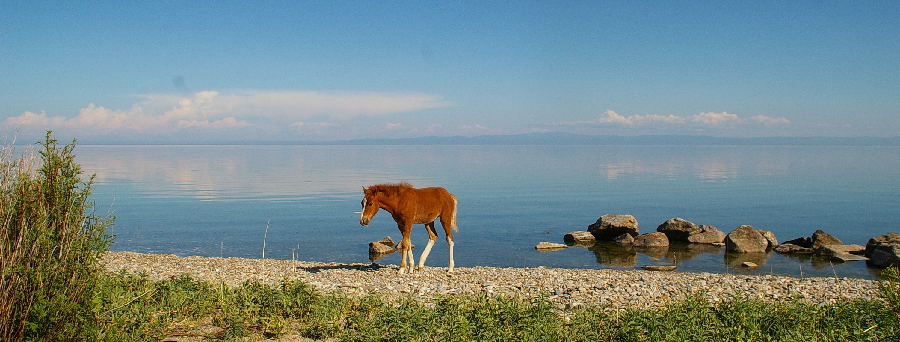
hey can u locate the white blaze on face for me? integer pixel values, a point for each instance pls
(363, 212)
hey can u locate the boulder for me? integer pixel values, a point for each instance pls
(804, 242)
(886, 239)
(677, 229)
(847, 257)
(831, 250)
(773, 242)
(657, 239)
(579, 237)
(884, 251)
(788, 248)
(707, 234)
(746, 239)
(886, 255)
(820, 238)
(624, 239)
(382, 246)
(610, 226)
(550, 245)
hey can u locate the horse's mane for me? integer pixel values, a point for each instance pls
(391, 189)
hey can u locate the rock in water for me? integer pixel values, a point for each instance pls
(382, 246)
(820, 238)
(610, 226)
(804, 242)
(550, 245)
(624, 239)
(677, 229)
(745, 239)
(788, 248)
(884, 251)
(708, 234)
(579, 237)
(886, 239)
(657, 239)
(773, 242)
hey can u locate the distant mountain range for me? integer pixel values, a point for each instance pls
(557, 138)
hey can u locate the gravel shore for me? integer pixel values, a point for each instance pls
(566, 288)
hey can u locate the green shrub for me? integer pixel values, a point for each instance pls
(50, 246)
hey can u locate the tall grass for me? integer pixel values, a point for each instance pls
(50, 245)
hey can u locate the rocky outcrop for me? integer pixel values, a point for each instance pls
(708, 234)
(678, 229)
(884, 250)
(579, 237)
(611, 226)
(746, 239)
(657, 239)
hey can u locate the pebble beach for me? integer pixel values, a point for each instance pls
(565, 288)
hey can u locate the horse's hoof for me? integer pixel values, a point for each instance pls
(402, 270)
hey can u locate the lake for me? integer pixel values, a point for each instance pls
(303, 200)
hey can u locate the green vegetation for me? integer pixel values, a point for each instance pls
(53, 289)
(136, 309)
(49, 246)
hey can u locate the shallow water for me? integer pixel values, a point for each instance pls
(303, 200)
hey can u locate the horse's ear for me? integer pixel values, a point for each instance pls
(365, 190)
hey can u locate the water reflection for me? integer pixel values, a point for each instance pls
(704, 162)
(268, 173)
(615, 255)
(737, 260)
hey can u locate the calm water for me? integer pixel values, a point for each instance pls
(223, 200)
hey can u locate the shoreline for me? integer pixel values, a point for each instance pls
(565, 288)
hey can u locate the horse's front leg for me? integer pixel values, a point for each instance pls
(405, 248)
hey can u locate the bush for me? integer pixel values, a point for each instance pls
(50, 246)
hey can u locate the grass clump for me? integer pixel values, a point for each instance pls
(50, 245)
(143, 310)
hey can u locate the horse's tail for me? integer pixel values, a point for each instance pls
(453, 215)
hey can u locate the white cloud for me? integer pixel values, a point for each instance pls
(228, 122)
(769, 121)
(165, 113)
(709, 119)
(716, 119)
(393, 126)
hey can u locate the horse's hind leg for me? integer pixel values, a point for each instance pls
(447, 224)
(405, 248)
(432, 236)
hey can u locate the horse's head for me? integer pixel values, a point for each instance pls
(370, 206)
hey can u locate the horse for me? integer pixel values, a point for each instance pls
(409, 206)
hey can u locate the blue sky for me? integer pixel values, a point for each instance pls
(123, 71)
